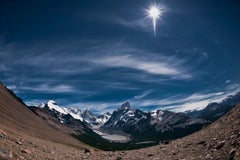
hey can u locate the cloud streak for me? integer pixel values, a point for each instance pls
(111, 55)
(128, 61)
(46, 88)
(110, 71)
(141, 24)
(142, 95)
(196, 101)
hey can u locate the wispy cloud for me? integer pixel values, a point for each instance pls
(98, 107)
(142, 95)
(3, 68)
(106, 69)
(35, 102)
(228, 81)
(105, 55)
(141, 24)
(205, 54)
(12, 87)
(46, 88)
(128, 61)
(176, 103)
(194, 101)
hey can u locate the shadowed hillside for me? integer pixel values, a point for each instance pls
(19, 126)
(15, 116)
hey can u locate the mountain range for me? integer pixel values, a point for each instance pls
(43, 132)
(214, 111)
(127, 125)
(136, 124)
(151, 126)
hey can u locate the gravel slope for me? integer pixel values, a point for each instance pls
(20, 130)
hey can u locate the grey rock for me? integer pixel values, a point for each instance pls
(19, 142)
(208, 156)
(27, 151)
(3, 134)
(232, 154)
(201, 143)
(21, 157)
(87, 151)
(5, 154)
(220, 145)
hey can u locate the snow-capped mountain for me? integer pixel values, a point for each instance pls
(94, 121)
(140, 125)
(60, 111)
(124, 117)
(151, 125)
(213, 111)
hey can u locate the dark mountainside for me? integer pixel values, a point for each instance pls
(152, 126)
(22, 132)
(15, 115)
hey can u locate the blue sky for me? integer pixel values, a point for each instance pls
(97, 55)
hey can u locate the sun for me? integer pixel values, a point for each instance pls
(154, 12)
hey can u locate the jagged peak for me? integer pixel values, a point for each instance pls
(41, 105)
(52, 102)
(125, 106)
(52, 105)
(87, 112)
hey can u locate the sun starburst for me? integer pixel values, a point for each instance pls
(154, 13)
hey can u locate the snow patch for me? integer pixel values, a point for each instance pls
(53, 105)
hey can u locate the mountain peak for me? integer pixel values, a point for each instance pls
(87, 112)
(125, 106)
(52, 105)
(52, 102)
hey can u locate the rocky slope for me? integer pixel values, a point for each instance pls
(22, 133)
